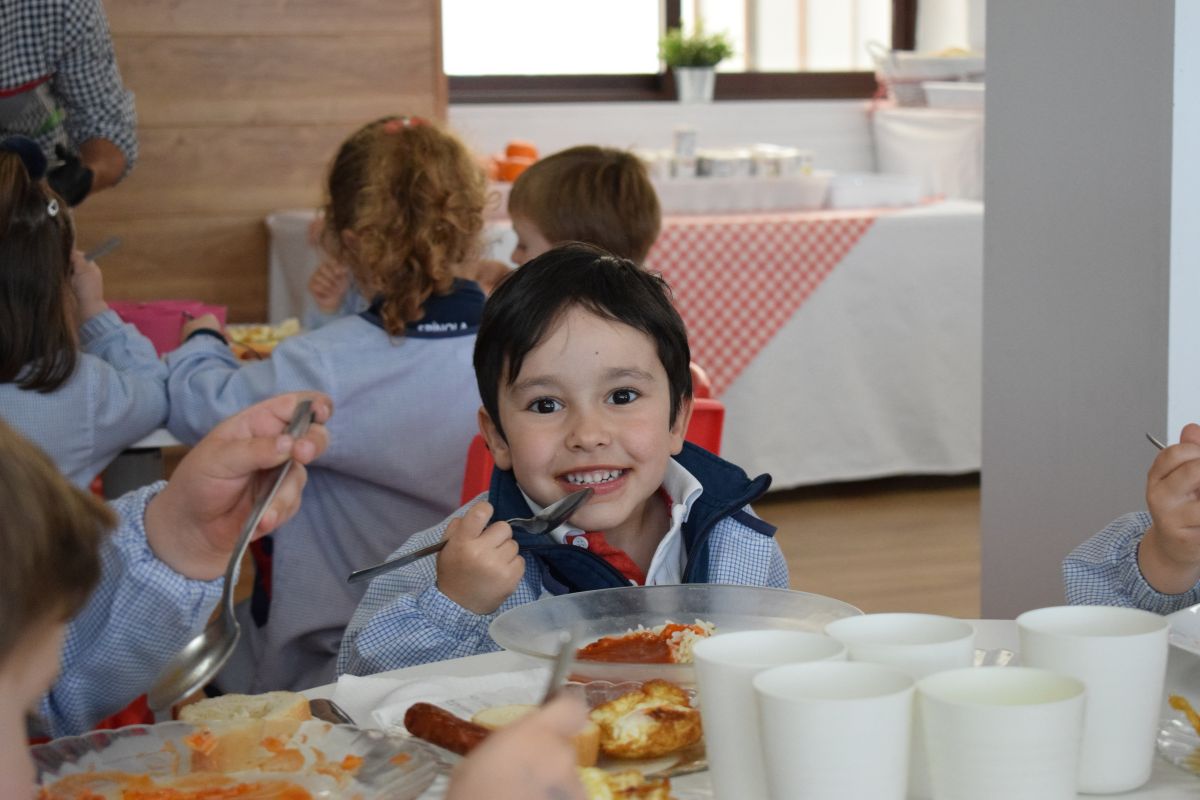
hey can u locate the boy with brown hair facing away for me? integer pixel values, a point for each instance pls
(582, 364)
(599, 195)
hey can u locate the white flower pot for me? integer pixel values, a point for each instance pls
(695, 84)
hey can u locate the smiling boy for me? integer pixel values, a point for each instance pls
(582, 366)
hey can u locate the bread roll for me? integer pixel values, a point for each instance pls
(239, 724)
(587, 741)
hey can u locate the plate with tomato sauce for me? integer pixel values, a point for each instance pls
(154, 762)
(639, 633)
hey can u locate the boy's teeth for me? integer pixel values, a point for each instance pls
(600, 476)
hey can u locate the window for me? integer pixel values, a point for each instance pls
(578, 50)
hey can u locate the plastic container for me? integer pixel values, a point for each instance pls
(954, 94)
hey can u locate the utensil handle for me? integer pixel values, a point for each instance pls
(395, 563)
(103, 249)
(301, 419)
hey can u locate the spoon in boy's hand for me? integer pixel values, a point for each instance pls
(1155, 442)
(547, 520)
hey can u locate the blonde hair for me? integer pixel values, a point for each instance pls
(404, 207)
(50, 534)
(599, 195)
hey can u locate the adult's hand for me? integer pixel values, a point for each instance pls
(193, 523)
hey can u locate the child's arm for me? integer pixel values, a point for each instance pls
(405, 619)
(1169, 554)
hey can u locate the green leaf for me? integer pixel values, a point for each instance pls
(693, 50)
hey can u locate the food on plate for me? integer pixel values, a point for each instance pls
(669, 643)
(647, 722)
(250, 342)
(241, 731)
(587, 741)
(125, 786)
(629, 783)
(438, 726)
(1180, 703)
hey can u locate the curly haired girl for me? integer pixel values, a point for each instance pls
(74, 379)
(404, 208)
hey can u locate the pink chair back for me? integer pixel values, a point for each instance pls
(160, 320)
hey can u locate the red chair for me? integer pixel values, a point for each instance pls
(704, 429)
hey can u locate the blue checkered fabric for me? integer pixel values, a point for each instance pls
(405, 620)
(1103, 571)
(139, 617)
(68, 43)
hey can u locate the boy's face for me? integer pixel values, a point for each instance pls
(530, 241)
(590, 408)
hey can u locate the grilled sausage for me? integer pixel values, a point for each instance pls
(438, 726)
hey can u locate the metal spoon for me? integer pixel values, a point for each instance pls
(203, 656)
(550, 518)
(1155, 442)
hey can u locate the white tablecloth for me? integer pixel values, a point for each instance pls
(877, 373)
(1166, 782)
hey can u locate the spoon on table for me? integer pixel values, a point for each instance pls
(547, 520)
(202, 657)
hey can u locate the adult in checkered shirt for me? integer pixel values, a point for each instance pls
(59, 85)
(1148, 559)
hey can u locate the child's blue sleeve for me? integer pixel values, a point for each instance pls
(738, 554)
(207, 383)
(1103, 571)
(405, 620)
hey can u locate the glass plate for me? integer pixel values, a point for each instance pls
(1179, 744)
(1185, 629)
(533, 628)
(393, 767)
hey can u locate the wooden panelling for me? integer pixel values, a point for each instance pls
(241, 105)
(270, 17)
(244, 80)
(218, 260)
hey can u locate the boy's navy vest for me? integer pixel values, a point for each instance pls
(727, 490)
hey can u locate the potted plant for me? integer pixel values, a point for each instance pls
(693, 58)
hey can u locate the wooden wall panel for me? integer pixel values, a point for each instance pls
(241, 105)
(276, 80)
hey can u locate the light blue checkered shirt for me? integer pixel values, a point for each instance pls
(404, 619)
(139, 617)
(116, 396)
(1103, 571)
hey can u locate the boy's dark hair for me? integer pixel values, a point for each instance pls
(598, 195)
(50, 534)
(527, 303)
(37, 329)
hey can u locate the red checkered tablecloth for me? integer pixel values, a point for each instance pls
(738, 278)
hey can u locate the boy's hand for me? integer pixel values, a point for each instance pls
(479, 567)
(328, 286)
(1169, 555)
(87, 284)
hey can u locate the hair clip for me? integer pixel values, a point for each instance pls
(397, 124)
(52, 207)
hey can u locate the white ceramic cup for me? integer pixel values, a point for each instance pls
(999, 733)
(1120, 654)
(725, 664)
(918, 644)
(833, 730)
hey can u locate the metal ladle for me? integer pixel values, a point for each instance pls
(203, 656)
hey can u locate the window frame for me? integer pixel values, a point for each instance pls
(661, 86)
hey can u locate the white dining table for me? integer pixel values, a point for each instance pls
(1167, 782)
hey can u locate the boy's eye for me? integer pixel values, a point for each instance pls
(545, 405)
(624, 396)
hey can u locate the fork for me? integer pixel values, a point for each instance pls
(545, 521)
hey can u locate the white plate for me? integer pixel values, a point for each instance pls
(1185, 629)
